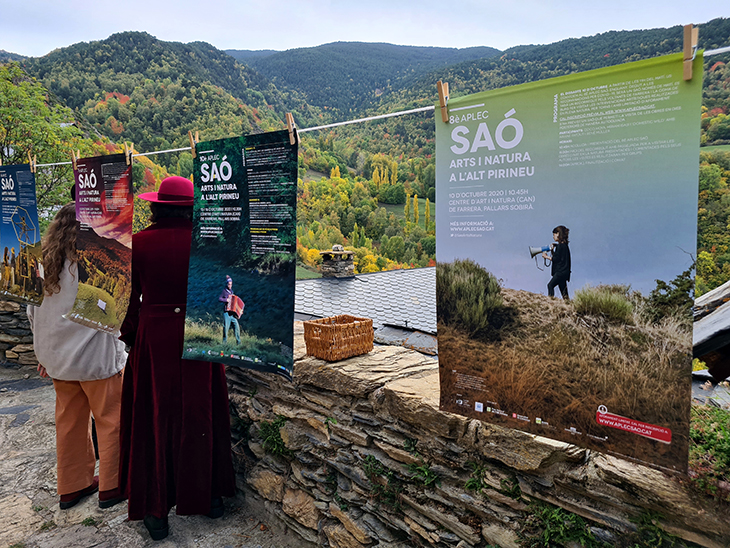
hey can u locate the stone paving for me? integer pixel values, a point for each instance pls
(29, 512)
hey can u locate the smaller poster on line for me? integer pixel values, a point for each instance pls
(21, 271)
(104, 209)
(240, 304)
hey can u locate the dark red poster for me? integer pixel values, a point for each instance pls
(104, 209)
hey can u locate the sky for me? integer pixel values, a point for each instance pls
(36, 27)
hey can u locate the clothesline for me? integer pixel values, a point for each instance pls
(305, 130)
(717, 51)
(183, 149)
(708, 53)
(359, 120)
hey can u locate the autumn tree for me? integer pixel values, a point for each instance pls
(30, 122)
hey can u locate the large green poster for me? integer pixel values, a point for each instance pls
(240, 305)
(583, 186)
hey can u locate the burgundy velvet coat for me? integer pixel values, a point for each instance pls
(175, 425)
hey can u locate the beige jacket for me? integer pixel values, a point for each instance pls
(70, 351)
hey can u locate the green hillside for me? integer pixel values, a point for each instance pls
(6, 56)
(348, 77)
(133, 87)
(244, 54)
(412, 137)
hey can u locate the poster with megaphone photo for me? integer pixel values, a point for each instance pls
(567, 214)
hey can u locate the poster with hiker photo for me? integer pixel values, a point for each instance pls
(21, 272)
(104, 209)
(567, 229)
(240, 304)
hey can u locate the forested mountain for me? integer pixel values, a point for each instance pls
(530, 63)
(244, 54)
(6, 56)
(122, 61)
(350, 76)
(412, 136)
(134, 87)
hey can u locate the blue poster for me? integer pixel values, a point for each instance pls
(21, 272)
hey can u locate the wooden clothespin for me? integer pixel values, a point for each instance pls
(73, 159)
(443, 89)
(193, 141)
(128, 149)
(691, 36)
(291, 126)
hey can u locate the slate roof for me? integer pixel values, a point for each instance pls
(712, 320)
(402, 298)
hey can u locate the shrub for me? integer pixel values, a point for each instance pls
(469, 297)
(611, 302)
(392, 194)
(709, 453)
(270, 434)
(672, 298)
(549, 526)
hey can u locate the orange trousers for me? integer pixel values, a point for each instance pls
(75, 402)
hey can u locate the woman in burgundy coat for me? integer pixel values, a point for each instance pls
(175, 425)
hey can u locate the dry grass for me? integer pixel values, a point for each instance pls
(556, 364)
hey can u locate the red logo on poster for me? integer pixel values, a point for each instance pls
(659, 433)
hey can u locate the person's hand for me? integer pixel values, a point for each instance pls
(42, 371)
(545, 255)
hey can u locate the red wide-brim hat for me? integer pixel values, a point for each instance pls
(173, 191)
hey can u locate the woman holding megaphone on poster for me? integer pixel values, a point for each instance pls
(560, 257)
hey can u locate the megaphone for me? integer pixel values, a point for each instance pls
(538, 250)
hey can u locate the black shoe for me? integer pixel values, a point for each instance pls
(157, 527)
(110, 498)
(216, 508)
(72, 499)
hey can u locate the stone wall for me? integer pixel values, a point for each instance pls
(356, 453)
(16, 339)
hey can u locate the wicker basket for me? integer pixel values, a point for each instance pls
(338, 337)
